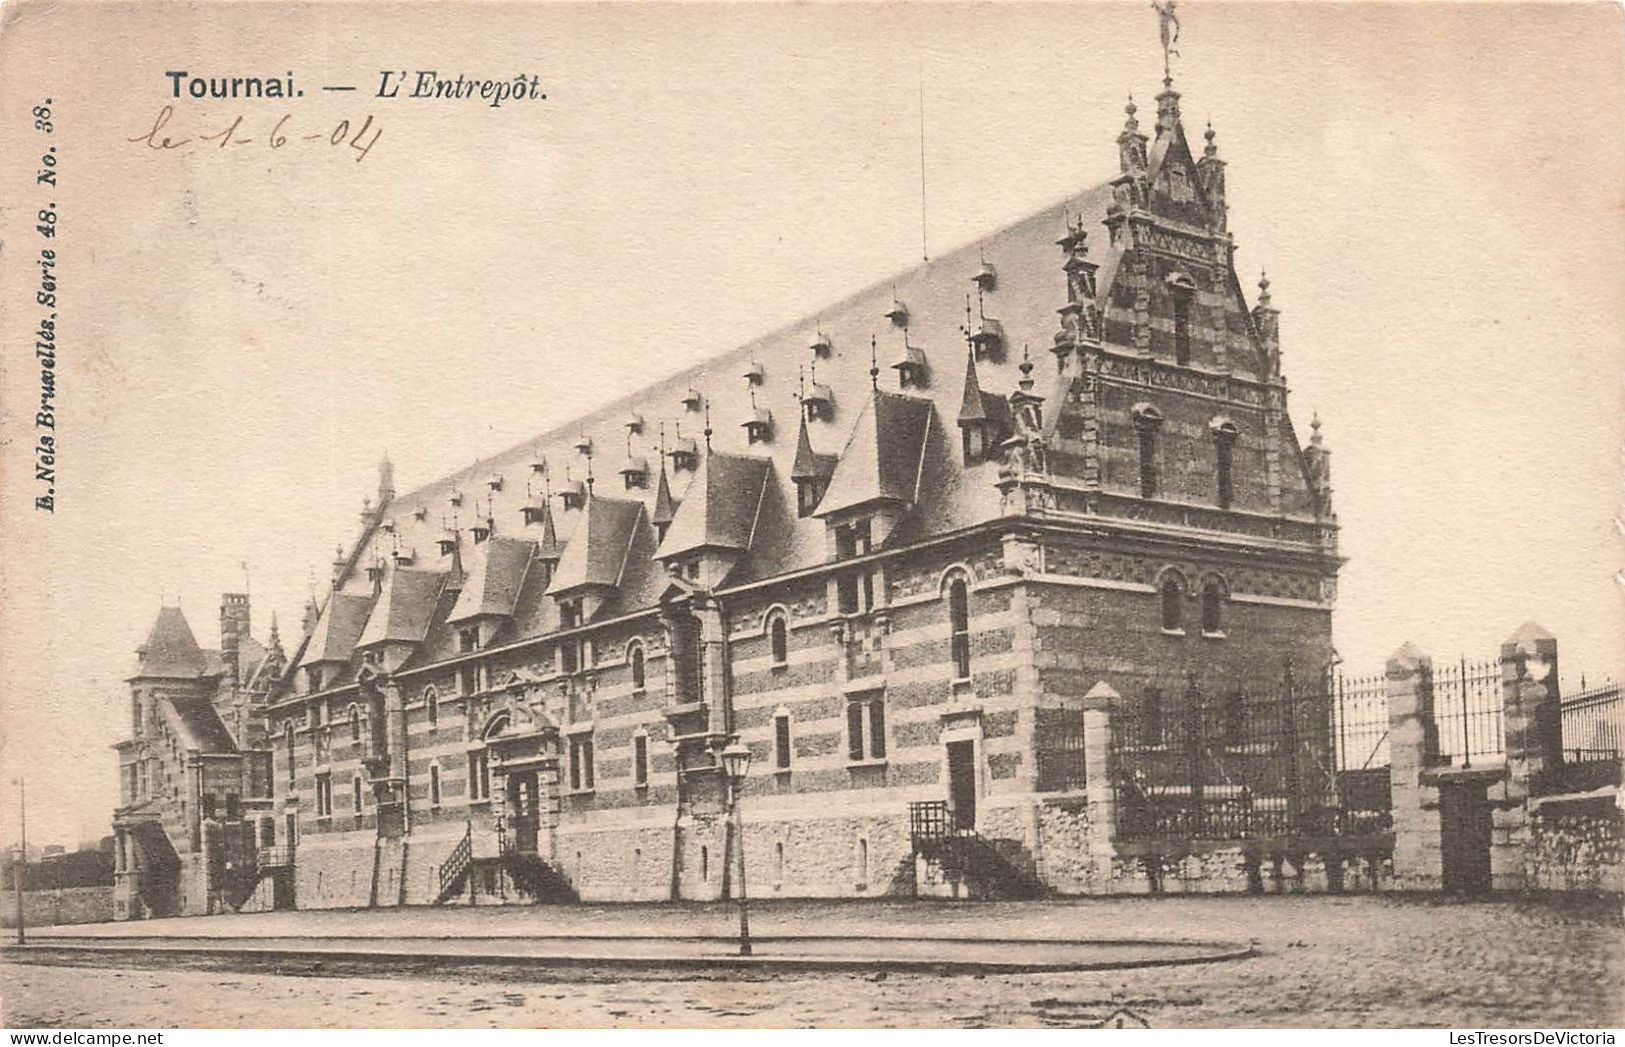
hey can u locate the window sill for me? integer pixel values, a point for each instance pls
(484, 801)
(1173, 632)
(1215, 635)
(580, 792)
(960, 682)
(779, 667)
(877, 761)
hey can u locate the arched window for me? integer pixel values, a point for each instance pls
(959, 626)
(1151, 727)
(1212, 609)
(778, 633)
(1224, 450)
(1173, 604)
(636, 659)
(355, 724)
(432, 701)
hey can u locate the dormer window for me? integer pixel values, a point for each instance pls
(495, 482)
(758, 425)
(821, 346)
(404, 556)
(692, 400)
(574, 494)
(987, 337)
(421, 513)
(468, 640)
(455, 498)
(974, 437)
(852, 539)
(482, 531)
(313, 677)
(375, 572)
(986, 277)
(809, 491)
(447, 542)
(818, 403)
(570, 613)
(685, 455)
(634, 422)
(636, 474)
(910, 367)
(754, 373)
(583, 444)
(898, 313)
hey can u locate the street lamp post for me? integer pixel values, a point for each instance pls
(22, 857)
(735, 763)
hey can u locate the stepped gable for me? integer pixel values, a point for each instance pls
(720, 507)
(170, 650)
(495, 571)
(404, 607)
(196, 723)
(338, 628)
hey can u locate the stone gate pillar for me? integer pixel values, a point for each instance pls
(1413, 747)
(1098, 705)
(1532, 726)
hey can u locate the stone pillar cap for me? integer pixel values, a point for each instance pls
(1530, 637)
(1101, 696)
(1408, 658)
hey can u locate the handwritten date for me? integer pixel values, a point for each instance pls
(360, 139)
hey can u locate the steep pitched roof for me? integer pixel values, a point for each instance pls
(809, 464)
(171, 651)
(882, 460)
(338, 628)
(665, 508)
(197, 724)
(596, 552)
(494, 576)
(403, 609)
(720, 506)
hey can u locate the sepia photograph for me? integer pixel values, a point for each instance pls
(668, 516)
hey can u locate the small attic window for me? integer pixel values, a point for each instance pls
(636, 474)
(692, 400)
(910, 367)
(574, 494)
(482, 531)
(634, 422)
(809, 491)
(986, 277)
(758, 425)
(820, 346)
(583, 444)
(754, 373)
(818, 403)
(495, 482)
(404, 556)
(421, 513)
(987, 337)
(898, 313)
(456, 497)
(375, 571)
(388, 526)
(685, 454)
(447, 542)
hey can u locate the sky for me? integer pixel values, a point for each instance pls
(1437, 192)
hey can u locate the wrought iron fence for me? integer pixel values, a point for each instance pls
(1286, 760)
(1467, 709)
(1593, 724)
(1059, 758)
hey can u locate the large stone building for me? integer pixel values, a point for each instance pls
(889, 549)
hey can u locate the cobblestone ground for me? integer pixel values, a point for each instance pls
(1325, 962)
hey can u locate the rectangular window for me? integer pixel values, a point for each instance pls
(640, 760)
(434, 785)
(581, 769)
(852, 540)
(1226, 465)
(208, 805)
(468, 640)
(356, 799)
(1148, 461)
(866, 727)
(324, 795)
(479, 776)
(468, 679)
(291, 824)
(781, 742)
(855, 592)
(1182, 331)
(234, 807)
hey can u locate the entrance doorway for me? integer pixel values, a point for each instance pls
(962, 783)
(1464, 837)
(524, 811)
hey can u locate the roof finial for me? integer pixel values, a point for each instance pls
(1314, 425)
(708, 426)
(874, 365)
(1210, 150)
(1168, 26)
(801, 383)
(1263, 289)
(1026, 368)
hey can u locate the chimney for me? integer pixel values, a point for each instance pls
(234, 626)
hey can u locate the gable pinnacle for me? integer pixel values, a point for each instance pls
(874, 366)
(1263, 289)
(1210, 150)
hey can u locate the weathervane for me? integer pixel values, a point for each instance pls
(1170, 35)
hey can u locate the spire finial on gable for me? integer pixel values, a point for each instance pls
(708, 426)
(1210, 150)
(1263, 289)
(1026, 368)
(874, 365)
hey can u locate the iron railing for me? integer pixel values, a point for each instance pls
(1593, 724)
(1058, 758)
(457, 864)
(275, 857)
(1283, 760)
(1467, 707)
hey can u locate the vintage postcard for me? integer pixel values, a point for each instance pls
(703, 515)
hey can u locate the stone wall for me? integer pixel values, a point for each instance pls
(335, 872)
(1576, 847)
(59, 905)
